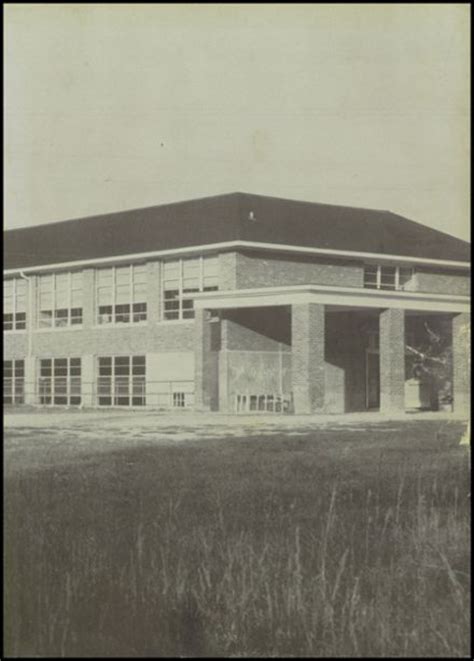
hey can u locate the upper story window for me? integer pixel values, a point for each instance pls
(396, 278)
(181, 279)
(60, 300)
(14, 304)
(122, 294)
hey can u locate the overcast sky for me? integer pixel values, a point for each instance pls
(109, 107)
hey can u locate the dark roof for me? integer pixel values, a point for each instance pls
(226, 218)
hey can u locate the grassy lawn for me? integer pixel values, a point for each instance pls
(338, 542)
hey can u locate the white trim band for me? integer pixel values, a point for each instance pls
(252, 245)
(327, 295)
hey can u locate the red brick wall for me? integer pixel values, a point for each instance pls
(261, 270)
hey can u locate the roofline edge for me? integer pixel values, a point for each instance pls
(226, 245)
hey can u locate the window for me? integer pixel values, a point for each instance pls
(60, 300)
(377, 276)
(14, 304)
(121, 381)
(183, 278)
(13, 381)
(60, 381)
(122, 294)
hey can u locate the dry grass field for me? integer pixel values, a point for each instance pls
(339, 541)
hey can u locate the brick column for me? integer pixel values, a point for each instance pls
(153, 292)
(31, 385)
(392, 360)
(88, 382)
(461, 362)
(89, 317)
(308, 368)
(202, 361)
(227, 270)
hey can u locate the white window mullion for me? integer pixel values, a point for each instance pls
(162, 291)
(379, 275)
(14, 306)
(53, 299)
(69, 297)
(114, 293)
(131, 291)
(397, 278)
(180, 289)
(201, 273)
(130, 380)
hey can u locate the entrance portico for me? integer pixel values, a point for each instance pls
(322, 336)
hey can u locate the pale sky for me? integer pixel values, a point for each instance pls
(112, 107)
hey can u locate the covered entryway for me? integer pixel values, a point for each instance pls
(313, 349)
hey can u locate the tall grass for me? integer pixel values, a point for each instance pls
(221, 564)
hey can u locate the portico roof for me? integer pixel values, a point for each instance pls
(331, 295)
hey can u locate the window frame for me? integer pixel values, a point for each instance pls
(49, 386)
(17, 396)
(69, 318)
(17, 325)
(137, 315)
(378, 268)
(114, 381)
(183, 311)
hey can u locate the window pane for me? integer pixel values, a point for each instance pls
(8, 304)
(105, 314)
(122, 275)
(7, 322)
(61, 317)
(20, 303)
(122, 294)
(139, 312)
(21, 287)
(7, 288)
(139, 273)
(171, 285)
(171, 271)
(104, 295)
(46, 283)
(122, 314)
(76, 298)
(104, 277)
(46, 319)
(76, 316)
(20, 321)
(139, 292)
(191, 267)
(62, 281)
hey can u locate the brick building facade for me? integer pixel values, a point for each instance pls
(232, 303)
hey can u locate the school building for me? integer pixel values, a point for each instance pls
(233, 303)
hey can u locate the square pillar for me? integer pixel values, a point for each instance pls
(154, 301)
(392, 360)
(89, 314)
(31, 386)
(461, 363)
(88, 385)
(308, 367)
(202, 361)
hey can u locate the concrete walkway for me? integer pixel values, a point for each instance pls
(187, 419)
